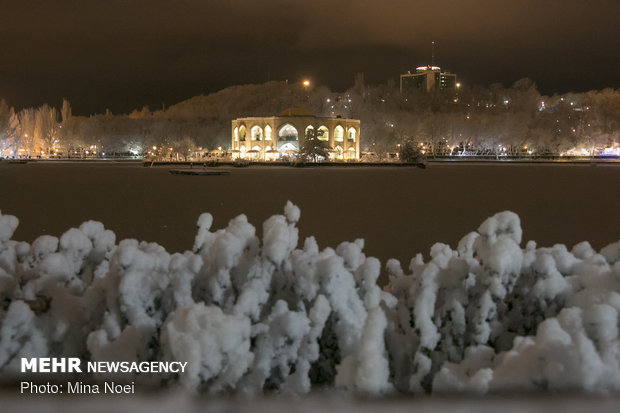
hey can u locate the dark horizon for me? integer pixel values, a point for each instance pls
(118, 56)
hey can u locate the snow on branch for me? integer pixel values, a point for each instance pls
(254, 316)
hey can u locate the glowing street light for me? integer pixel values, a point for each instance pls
(306, 83)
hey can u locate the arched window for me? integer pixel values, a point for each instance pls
(288, 149)
(309, 131)
(267, 133)
(338, 152)
(257, 133)
(339, 133)
(288, 133)
(351, 135)
(242, 133)
(351, 153)
(323, 133)
(255, 153)
(270, 153)
(236, 134)
(288, 137)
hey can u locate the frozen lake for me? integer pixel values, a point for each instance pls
(398, 211)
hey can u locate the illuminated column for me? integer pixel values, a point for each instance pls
(357, 142)
(232, 134)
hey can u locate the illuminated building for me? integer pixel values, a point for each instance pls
(428, 78)
(274, 137)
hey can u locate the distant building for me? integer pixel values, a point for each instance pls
(428, 78)
(270, 138)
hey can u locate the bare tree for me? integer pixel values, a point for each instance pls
(27, 121)
(184, 147)
(47, 126)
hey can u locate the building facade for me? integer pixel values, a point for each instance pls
(428, 78)
(275, 137)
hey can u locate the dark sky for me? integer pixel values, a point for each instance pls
(122, 54)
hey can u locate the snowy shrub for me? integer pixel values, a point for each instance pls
(254, 314)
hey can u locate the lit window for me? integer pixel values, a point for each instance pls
(339, 133)
(267, 133)
(257, 133)
(351, 135)
(323, 133)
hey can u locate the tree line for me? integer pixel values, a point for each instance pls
(476, 120)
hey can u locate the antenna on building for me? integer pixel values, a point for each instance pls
(432, 53)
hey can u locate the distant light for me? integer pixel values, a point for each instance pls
(306, 83)
(458, 85)
(154, 148)
(420, 68)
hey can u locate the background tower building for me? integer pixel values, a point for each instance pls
(428, 78)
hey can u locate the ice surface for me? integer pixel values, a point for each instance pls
(257, 315)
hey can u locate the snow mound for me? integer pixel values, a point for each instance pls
(253, 315)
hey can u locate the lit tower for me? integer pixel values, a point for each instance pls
(428, 78)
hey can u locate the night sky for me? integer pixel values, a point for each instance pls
(121, 54)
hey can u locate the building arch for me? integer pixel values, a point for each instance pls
(256, 133)
(351, 134)
(351, 153)
(255, 153)
(339, 133)
(267, 133)
(288, 136)
(236, 133)
(242, 133)
(288, 149)
(338, 152)
(323, 133)
(270, 153)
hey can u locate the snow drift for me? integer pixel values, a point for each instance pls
(254, 315)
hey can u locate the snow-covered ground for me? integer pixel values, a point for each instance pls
(398, 211)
